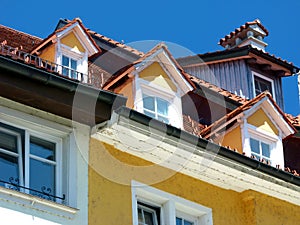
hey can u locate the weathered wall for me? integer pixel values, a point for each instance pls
(110, 202)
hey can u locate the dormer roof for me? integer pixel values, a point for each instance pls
(159, 53)
(264, 100)
(82, 34)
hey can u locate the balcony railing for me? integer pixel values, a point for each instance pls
(38, 62)
(44, 193)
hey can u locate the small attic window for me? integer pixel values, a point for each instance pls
(262, 84)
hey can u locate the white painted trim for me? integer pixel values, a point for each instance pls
(264, 78)
(168, 203)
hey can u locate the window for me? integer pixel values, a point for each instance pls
(148, 215)
(29, 162)
(260, 150)
(182, 221)
(262, 85)
(69, 67)
(152, 206)
(156, 107)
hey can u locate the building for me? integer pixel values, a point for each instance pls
(175, 149)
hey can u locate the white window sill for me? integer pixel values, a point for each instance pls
(38, 205)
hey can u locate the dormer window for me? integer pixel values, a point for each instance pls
(69, 67)
(156, 108)
(260, 150)
(262, 84)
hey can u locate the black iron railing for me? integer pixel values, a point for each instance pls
(44, 193)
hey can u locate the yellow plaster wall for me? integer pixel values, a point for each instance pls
(72, 41)
(48, 53)
(126, 89)
(261, 120)
(155, 74)
(111, 171)
(233, 139)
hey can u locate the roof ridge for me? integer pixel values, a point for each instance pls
(243, 27)
(110, 40)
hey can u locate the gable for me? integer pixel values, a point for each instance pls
(261, 120)
(155, 74)
(48, 53)
(72, 41)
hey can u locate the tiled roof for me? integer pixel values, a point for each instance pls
(219, 90)
(234, 53)
(18, 39)
(98, 76)
(116, 43)
(206, 133)
(243, 27)
(111, 41)
(191, 125)
(53, 35)
(295, 120)
(159, 46)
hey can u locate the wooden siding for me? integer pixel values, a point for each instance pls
(234, 76)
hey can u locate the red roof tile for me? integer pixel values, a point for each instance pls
(243, 27)
(116, 78)
(295, 120)
(219, 90)
(53, 35)
(206, 133)
(18, 39)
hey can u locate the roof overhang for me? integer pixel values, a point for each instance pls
(252, 55)
(81, 33)
(280, 120)
(169, 147)
(43, 90)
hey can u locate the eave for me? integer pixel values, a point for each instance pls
(188, 154)
(282, 67)
(55, 94)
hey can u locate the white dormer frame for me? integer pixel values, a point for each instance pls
(264, 78)
(249, 131)
(80, 57)
(173, 98)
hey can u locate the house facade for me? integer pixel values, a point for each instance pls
(95, 132)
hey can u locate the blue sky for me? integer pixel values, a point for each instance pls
(195, 25)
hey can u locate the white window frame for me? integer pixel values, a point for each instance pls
(148, 88)
(155, 112)
(264, 78)
(25, 180)
(170, 205)
(275, 142)
(80, 57)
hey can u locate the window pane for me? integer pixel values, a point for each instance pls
(149, 114)
(148, 102)
(262, 85)
(9, 169)
(149, 217)
(42, 178)
(265, 149)
(178, 221)
(162, 107)
(254, 144)
(73, 64)
(65, 61)
(188, 222)
(42, 148)
(8, 142)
